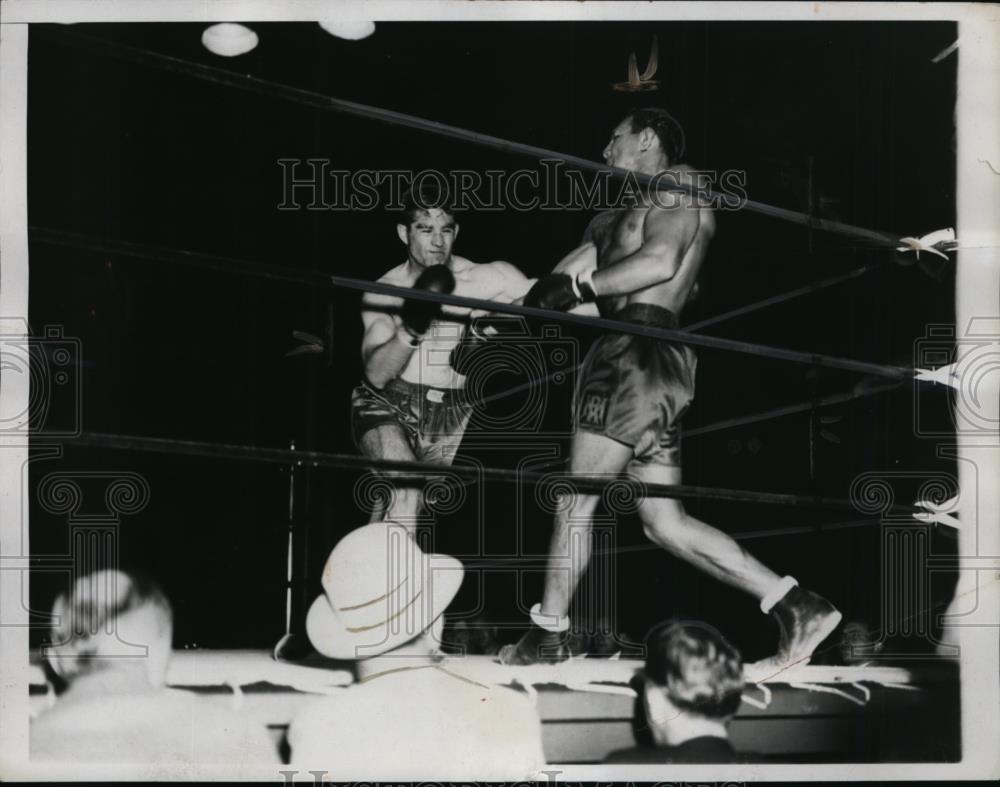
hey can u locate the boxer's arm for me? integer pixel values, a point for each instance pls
(512, 284)
(386, 347)
(580, 260)
(667, 233)
(503, 283)
(583, 258)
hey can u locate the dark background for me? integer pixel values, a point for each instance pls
(125, 151)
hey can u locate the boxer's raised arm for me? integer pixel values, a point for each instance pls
(388, 344)
(512, 283)
(386, 347)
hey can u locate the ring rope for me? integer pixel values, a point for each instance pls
(791, 409)
(310, 98)
(305, 276)
(727, 423)
(262, 270)
(586, 484)
(774, 300)
(750, 535)
(605, 324)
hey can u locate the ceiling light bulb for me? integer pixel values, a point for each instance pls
(352, 29)
(229, 39)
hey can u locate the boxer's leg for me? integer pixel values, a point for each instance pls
(570, 546)
(804, 618)
(667, 524)
(389, 441)
(569, 553)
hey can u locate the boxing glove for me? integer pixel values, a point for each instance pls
(561, 292)
(417, 316)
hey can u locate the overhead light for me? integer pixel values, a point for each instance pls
(229, 39)
(352, 30)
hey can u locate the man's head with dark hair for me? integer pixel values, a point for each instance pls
(424, 197)
(427, 225)
(692, 675)
(647, 140)
(666, 127)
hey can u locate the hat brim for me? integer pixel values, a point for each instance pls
(332, 639)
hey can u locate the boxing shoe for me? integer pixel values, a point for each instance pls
(805, 619)
(537, 646)
(547, 641)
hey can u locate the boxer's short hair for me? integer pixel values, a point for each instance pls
(427, 196)
(697, 668)
(667, 129)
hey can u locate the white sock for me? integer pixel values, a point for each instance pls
(554, 623)
(776, 593)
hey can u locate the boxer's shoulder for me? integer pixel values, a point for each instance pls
(397, 277)
(487, 280)
(473, 272)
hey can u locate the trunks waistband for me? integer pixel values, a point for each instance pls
(647, 314)
(439, 395)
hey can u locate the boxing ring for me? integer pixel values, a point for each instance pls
(807, 713)
(588, 707)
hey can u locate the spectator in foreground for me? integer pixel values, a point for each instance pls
(692, 687)
(111, 640)
(474, 637)
(410, 714)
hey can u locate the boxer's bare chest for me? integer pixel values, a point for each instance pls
(618, 233)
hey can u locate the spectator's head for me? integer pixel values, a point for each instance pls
(382, 595)
(111, 620)
(427, 225)
(693, 681)
(475, 637)
(858, 643)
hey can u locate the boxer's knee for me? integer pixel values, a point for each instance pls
(572, 506)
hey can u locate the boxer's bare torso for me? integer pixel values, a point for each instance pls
(429, 364)
(617, 234)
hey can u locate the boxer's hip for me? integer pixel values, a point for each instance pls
(428, 415)
(634, 389)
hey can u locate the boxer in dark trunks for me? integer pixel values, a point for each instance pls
(640, 264)
(410, 405)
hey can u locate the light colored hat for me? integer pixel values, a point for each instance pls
(380, 590)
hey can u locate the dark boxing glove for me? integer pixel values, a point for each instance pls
(561, 292)
(477, 338)
(417, 315)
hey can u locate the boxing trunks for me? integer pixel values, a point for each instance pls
(634, 389)
(433, 419)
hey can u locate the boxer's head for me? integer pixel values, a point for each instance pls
(647, 140)
(428, 227)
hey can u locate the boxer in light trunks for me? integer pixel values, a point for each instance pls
(410, 405)
(640, 264)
